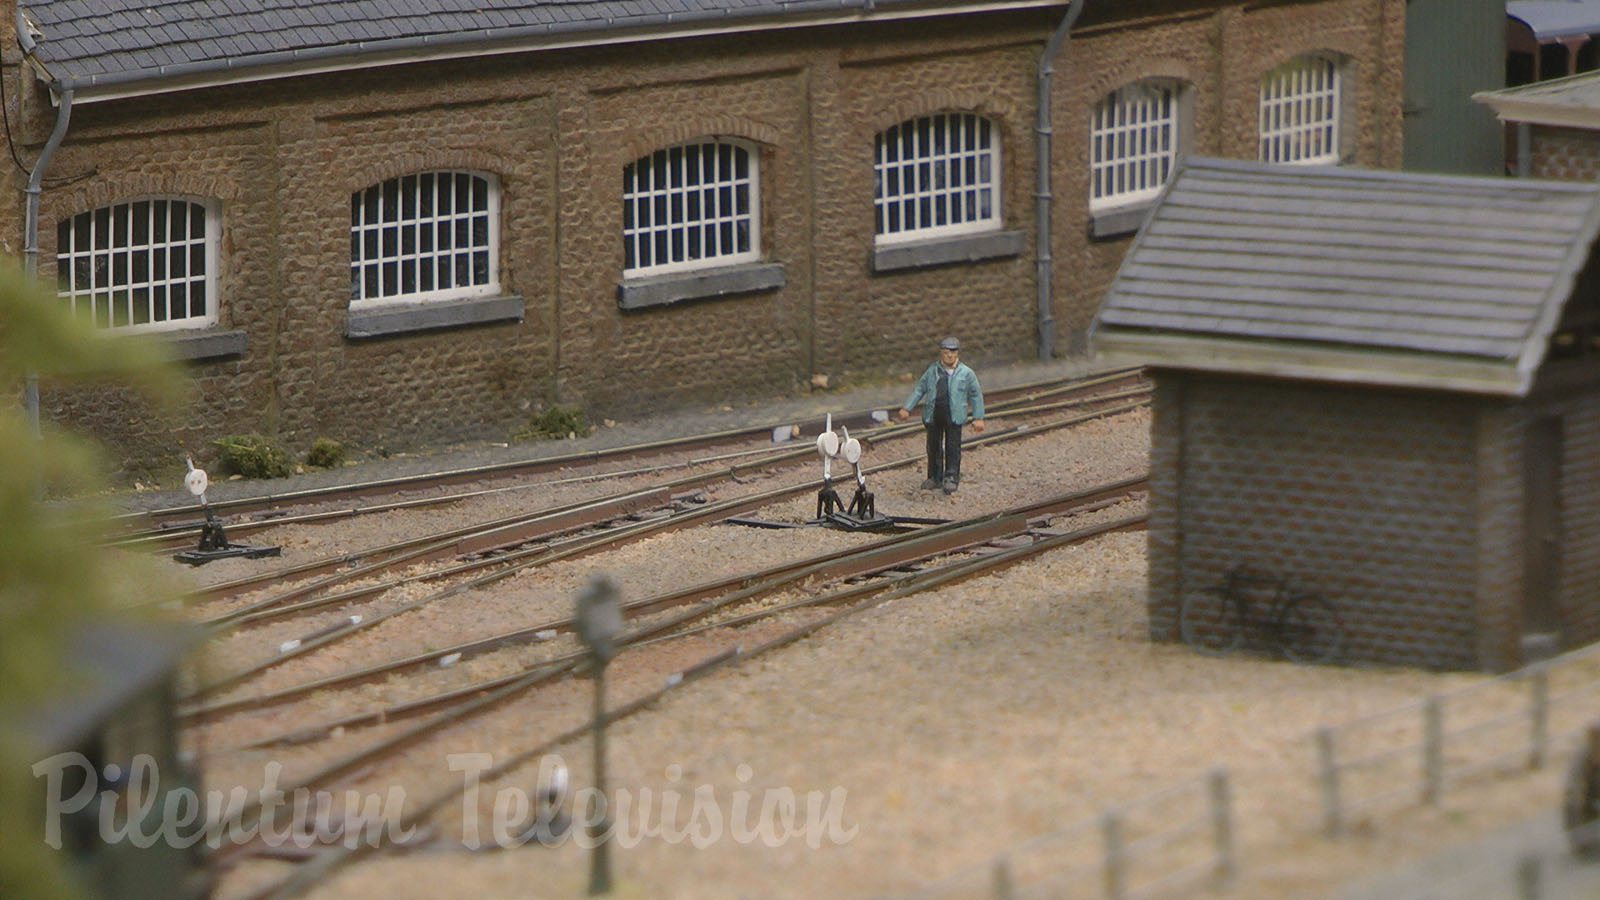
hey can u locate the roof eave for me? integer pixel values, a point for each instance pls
(1539, 112)
(1394, 369)
(527, 39)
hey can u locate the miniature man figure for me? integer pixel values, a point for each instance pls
(950, 395)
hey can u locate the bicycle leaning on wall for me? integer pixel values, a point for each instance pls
(1301, 625)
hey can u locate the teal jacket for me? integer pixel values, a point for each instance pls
(964, 394)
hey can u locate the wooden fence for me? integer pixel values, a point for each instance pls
(1187, 836)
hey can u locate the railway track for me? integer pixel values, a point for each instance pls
(499, 561)
(177, 525)
(859, 580)
(817, 591)
(706, 598)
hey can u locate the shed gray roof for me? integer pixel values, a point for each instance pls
(1337, 274)
(101, 48)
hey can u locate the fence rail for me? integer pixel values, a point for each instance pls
(1378, 764)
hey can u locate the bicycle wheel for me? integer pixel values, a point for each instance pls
(1309, 631)
(1209, 622)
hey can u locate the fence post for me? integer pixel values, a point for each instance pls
(1432, 751)
(1539, 711)
(1328, 772)
(1004, 888)
(1111, 827)
(1222, 824)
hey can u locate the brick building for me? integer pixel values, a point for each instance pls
(1552, 126)
(1382, 387)
(418, 224)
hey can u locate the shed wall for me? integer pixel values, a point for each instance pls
(1579, 600)
(1367, 497)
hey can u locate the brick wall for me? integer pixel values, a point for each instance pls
(1406, 508)
(1563, 153)
(557, 128)
(1367, 497)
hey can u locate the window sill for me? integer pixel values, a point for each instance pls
(966, 248)
(660, 290)
(199, 346)
(404, 318)
(1119, 220)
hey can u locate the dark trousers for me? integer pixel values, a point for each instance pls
(944, 450)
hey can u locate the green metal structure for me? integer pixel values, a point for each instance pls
(1453, 49)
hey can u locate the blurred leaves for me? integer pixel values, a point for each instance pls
(53, 574)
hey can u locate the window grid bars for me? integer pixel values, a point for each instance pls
(424, 236)
(1132, 144)
(935, 174)
(686, 206)
(139, 266)
(1300, 113)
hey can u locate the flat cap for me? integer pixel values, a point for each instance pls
(949, 343)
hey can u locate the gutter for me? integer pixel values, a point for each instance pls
(30, 234)
(1042, 197)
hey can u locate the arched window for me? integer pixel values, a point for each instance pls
(691, 206)
(428, 236)
(1133, 143)
(937, 175)
(1300, 107)
(145, 265)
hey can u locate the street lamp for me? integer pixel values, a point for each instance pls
(599, 623)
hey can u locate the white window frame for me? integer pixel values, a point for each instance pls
(103, 272)
(398, 229)
(1301, 109)
(689, 206)
(1134, 142)
(925, 187)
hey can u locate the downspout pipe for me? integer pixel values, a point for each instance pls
(1524, 150)
(30, 228)
(1042, 197)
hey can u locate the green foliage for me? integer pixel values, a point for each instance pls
(52, 573)
(554, 424)
(325, 453)
(252, 456)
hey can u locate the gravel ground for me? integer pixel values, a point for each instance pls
(937, 730)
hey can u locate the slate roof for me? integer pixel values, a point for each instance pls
(1339, 274)
(92, 44)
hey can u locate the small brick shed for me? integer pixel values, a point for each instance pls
(1383, 386)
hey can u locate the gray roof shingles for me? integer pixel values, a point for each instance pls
(1386, 262)
(86, 43)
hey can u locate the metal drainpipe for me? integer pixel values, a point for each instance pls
(1524, 150)
(1047, 319)
(30, 229)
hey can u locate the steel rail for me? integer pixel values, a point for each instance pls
(338, 563)
(518, 561)
(900, 549)
(853, 419)
(965, 538)
(540, 525)
(316, 870)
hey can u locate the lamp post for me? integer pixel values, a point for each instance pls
(599, 622)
